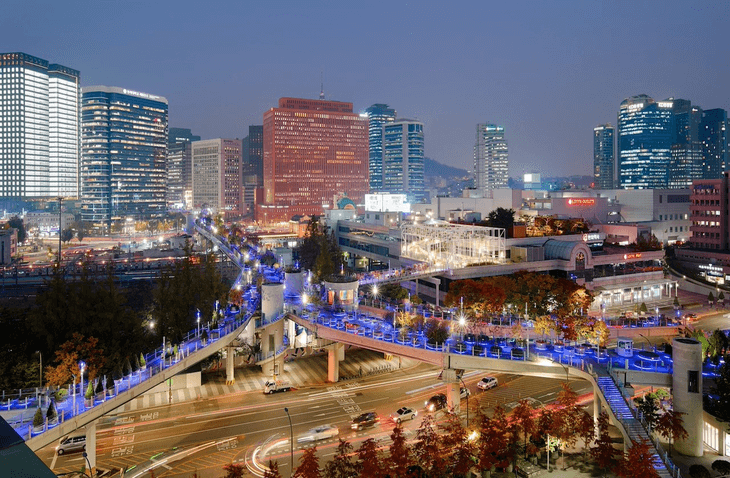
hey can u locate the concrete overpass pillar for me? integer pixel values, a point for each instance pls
(453, 401)
(335, 353)
(230, 376)
(687, 393)
(91, 447)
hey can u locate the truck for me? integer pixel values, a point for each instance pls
(272, 386)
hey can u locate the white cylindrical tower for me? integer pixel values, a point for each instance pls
(272, 300)
(687, 393)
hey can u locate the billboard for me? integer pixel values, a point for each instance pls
(387, 203)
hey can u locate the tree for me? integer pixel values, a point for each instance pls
(308, 465)
(67, 235)
(272, 471)
(669, 425)
(639, 461)
(436, 331)
(17, 223)
(501, 217)
(603, 452)
(644, 243)
(68, 357)
(710, 298)
(493, 445)
(400, 452)
(369, 461)
(648, 407)
(233, 470)
(51, 413)
(342, 465)
(323, 266)
(38, 417)
(81, 228)
(458, 447)
(524, 420)
(428, 449)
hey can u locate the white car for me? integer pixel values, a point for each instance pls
(403, 414)
(464, 392)
(321, 432)
(486, 383)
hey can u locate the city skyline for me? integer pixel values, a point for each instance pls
(548, 74)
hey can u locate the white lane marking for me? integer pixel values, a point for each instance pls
(55, 457)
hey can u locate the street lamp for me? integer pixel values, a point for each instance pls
(291, 442)
(198, 322)
(82, 367)
(467, 402)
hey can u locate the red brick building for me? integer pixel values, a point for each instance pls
(313, 149)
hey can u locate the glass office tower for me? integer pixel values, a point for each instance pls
(123, 154)
(713, 136)
(646, 133)
(491, 159)
(402, 143)
(39, 128)
(179, 168)
(378, 114)
(603, 156)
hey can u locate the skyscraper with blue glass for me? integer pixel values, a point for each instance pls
(603, 156)
(378, 114)
(123, 153)
(403, 156)
(646, 132)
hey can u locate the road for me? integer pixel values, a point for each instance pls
(248, 419)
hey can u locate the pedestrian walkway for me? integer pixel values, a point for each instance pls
(302, 372)
(633, 427)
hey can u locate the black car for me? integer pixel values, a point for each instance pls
(437, 402)
(365, 420)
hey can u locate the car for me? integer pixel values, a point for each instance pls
(321, 432)
(464, 392)
(437, 402)
(690, 316)
(364, 420)
(487, 382)
(71, 443)
(403, 414)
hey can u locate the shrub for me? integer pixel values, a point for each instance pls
(38, 417)
(436, 331)
(142, 361)
(51, 413)
(127, 367)
(89, 391)
(60, 394)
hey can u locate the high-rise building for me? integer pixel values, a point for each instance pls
(603, 156)
(39, 128)
(123, 154)
(179, 168)
(402, 145)
(378, 114)
(313, 150)
(713, 137)
(217, 176)
(491, 166)
(253, 165)
(686, 163)
(646, 133)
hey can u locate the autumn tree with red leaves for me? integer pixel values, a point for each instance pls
(670, 425)
(639, 461)
(603, 452)
(79, 348)
(400, 452)
(273, 470)
(308, 465)
(342, 465)
(370, 463)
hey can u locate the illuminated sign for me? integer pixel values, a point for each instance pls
(593, 236)
(581, 202)
(633, 255)
(665, 104)
(141, 95)
(636, 106)
(387, 203)
(710, 267)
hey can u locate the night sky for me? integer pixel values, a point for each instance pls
(548, 71)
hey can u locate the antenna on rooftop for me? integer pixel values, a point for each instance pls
(321, 89)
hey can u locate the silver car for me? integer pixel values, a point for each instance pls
(403, 414)
(321, 432)
(70, 444)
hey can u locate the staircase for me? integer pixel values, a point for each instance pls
(634, 428)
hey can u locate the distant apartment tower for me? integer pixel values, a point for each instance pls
(491, 165)
(123, 154)
(709, 214)
(403, 153)
(217, 176)
(253, 165)
(39, 128)
(378, 115)
(603, 156)
(645, 136)
(313, 150)
(179, 168)
(713, 137)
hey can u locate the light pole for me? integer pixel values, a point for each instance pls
(82, 366)
(60, 200)
(198, 322)
(467, 401)
(291, 442)
(40, 370)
